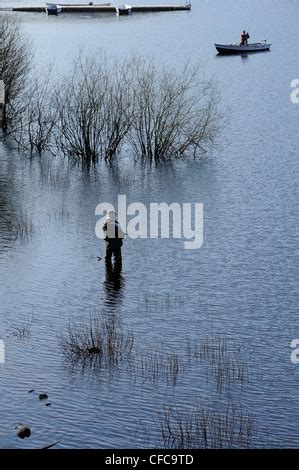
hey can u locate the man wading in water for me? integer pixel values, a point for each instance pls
(113, 241)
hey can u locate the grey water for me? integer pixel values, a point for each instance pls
(242, 283)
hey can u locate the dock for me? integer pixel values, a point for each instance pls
(100, 8)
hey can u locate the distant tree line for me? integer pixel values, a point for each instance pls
(105, 107)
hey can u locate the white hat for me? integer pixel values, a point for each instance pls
(110, 215)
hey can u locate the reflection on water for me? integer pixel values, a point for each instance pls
(114, 284)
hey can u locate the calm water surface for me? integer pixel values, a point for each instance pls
(242, 283)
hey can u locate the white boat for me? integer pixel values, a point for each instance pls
(230, 49)
(124, 10)
(53, 8)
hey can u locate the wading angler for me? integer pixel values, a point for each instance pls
(159, 220)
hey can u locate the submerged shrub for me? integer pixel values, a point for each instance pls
(35, 127)
(94, 110)
(175, 112)
(103, 107)
(99, 337)
(15, 66)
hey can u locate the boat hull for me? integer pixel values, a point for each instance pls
(124, 10)
(231, 49)
(53, 9)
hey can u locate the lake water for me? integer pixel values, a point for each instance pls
(243, 282)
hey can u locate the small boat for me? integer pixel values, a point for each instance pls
(124, 10)
(230, 49)
(53, 8)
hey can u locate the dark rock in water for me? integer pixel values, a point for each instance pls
(23, 431)
(43, 396)
(94, 350)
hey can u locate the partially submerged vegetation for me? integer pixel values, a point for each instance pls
(205, 427)
(21, 227)
(224, 360)
(95, 110)
(161, 302)
(100, 342)
(103, 107)
(101, 338)
(154, 114)
(15, 64)
(23, 330)
(157, 365)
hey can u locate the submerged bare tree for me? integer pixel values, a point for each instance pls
(175, 112)
(15, 62)
(157, 113)
(35, 128)
(94, 110)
